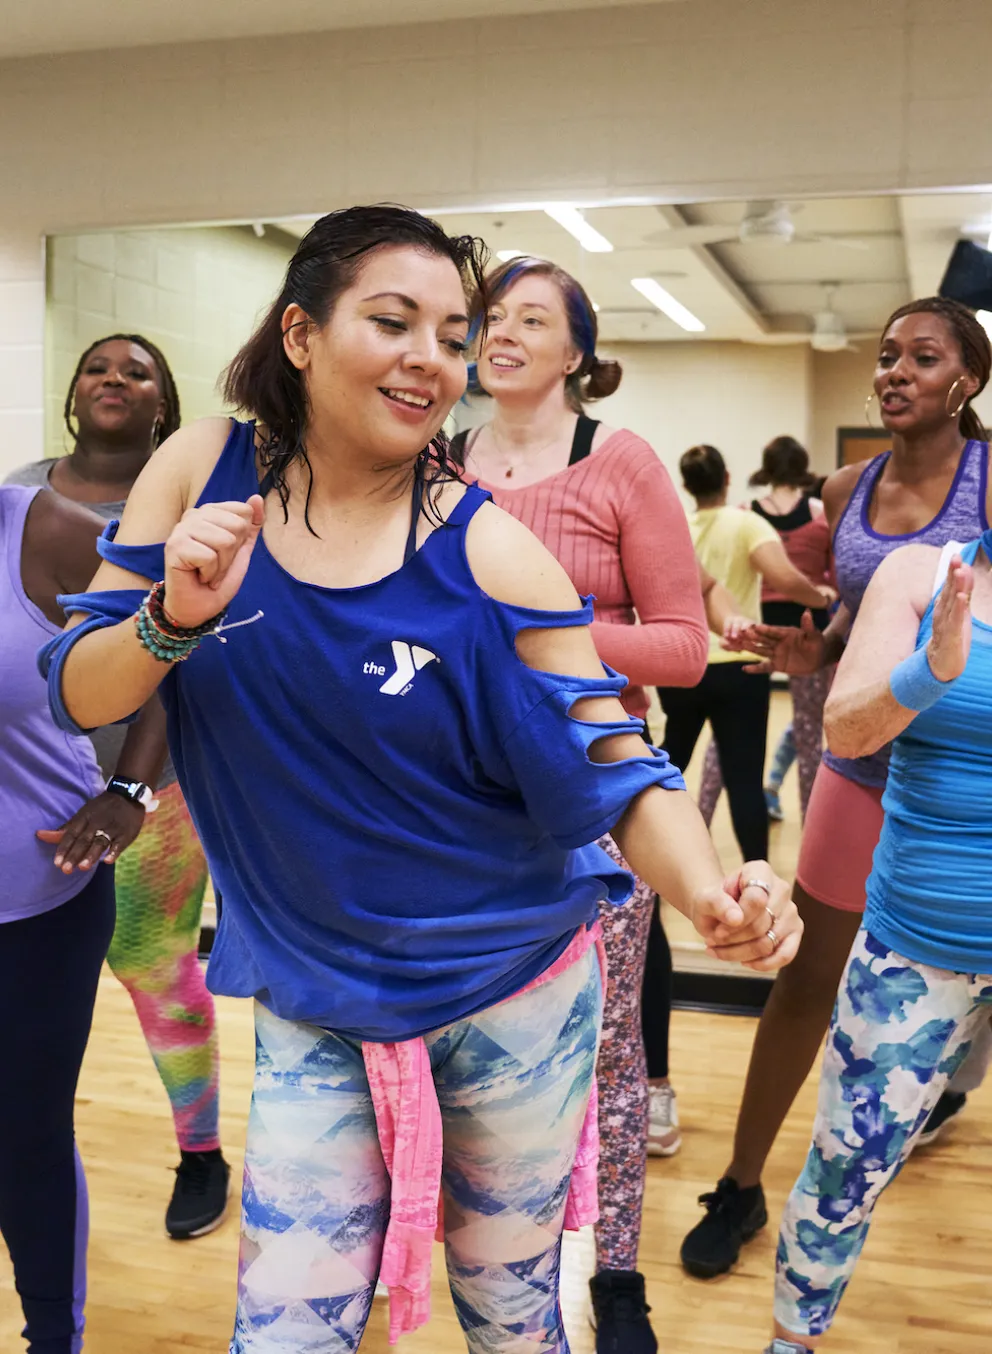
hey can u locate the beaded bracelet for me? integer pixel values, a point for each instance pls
(162, 637)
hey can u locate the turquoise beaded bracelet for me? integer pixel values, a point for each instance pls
(175, 644)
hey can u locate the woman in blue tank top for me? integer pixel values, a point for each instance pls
(934, 358)
(397, 744)
(918, 984)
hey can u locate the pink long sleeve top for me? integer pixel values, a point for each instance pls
(615, 523)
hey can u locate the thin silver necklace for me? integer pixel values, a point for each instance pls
(530, 456)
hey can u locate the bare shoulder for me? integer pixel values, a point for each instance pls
(838, 489)
(510, 564)
(173, 480)
(193, 451)
(603, 434)
(908, 573)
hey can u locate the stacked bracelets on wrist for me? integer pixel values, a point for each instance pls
(162, 637)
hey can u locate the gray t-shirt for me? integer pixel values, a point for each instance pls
(107, 742)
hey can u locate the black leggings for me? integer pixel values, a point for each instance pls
(736, 704)
(49, 969)
(656, 997)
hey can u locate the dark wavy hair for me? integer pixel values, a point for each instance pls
(976, 351)
(784, 461)
(704, 471)
(595, 377)
(166, 384)
(263, 382)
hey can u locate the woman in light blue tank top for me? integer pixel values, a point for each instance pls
(918, 984)
(399, 748)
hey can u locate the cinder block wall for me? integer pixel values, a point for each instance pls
(195, 293)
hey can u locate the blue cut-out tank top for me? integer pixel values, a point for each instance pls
(397, 810)
(859, 549)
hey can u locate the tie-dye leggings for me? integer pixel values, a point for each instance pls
(512, 1082)
(161, 880)
(899, 1032)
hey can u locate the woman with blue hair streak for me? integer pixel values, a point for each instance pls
(398, 746)
(601, 501)
(918, 985)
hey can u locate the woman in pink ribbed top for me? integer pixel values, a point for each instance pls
(602, 502)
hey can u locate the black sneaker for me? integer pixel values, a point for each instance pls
(199, 1200)
(950, 1104)
(733, 1216)
(621, 1312)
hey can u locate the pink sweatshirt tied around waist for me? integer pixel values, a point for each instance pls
(408, 1118)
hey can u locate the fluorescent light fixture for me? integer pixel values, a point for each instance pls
(984, 318)
(505, 255)
(665, 301)
(572, 220)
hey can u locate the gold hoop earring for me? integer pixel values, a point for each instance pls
(872, 396)
(956, 412)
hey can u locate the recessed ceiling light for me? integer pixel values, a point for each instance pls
(505, 255)
(595, 307)
(666, 302)
(572, 220)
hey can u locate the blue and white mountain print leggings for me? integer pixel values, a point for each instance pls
(513, 1083)
(900, 1030)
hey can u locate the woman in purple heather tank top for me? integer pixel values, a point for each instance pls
(930, 488)
(56, 910)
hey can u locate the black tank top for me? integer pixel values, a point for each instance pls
(585, 431)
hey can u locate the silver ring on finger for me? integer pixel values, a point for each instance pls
(770, 935)
(99, 832)
(758, 884)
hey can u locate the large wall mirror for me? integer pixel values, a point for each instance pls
(734, 322)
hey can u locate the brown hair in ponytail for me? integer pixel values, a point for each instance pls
(976, 351)
(595, 377)
(784, 461)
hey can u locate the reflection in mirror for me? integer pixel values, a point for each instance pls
(734, 322)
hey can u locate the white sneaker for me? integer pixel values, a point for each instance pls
(664, 1138)
(381, 1292)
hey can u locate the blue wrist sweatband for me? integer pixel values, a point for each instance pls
(914, 685)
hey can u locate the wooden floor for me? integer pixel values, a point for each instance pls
(923, 1286)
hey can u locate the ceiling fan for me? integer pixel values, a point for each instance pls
(829, 331)
(764, 222)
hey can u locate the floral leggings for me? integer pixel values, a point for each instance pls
(622, 1077)
(809, 696)
(513, 1084)
(160, 882)
(899, 1032)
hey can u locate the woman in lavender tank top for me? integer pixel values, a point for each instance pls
(930, 488)
(56, 920)
(121, 405)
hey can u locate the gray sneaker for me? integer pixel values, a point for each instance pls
(787, 1347)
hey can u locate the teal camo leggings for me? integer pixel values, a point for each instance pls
(900, 1031)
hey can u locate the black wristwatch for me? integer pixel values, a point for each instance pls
(135, 790)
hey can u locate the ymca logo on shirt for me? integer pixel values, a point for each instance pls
(409, 659)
